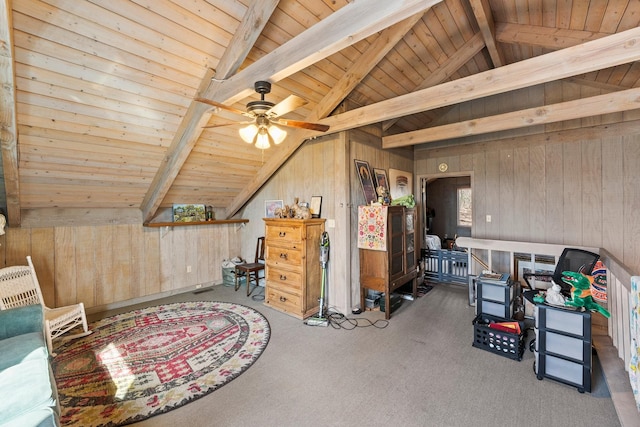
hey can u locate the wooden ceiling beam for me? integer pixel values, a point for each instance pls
(545, 37)
(197, 115)
(345, 27)
(616, 49)
(484, 18)
(8, 125)
(576, 109)
(350, 79)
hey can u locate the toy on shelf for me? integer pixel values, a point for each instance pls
(581, 293)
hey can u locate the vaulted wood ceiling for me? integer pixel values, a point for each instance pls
(98, 105)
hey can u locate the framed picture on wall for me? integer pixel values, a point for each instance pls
(400, 183)
(366, 181)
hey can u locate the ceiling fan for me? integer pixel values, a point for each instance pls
(264, 115)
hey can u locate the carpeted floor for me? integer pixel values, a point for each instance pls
(419, 370)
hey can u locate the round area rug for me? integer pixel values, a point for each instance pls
(149, 361)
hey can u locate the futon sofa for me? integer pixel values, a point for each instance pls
(28, 395)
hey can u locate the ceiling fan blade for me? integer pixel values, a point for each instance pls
(288, 104)
(226, 124)
(223, 107)
(303, 125)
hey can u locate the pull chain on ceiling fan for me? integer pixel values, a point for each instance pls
(262, 130)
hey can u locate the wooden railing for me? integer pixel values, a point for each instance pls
(618, 297)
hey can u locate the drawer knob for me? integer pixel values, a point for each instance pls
(283, 299)
(283, 277)
(282, 234)
(283, 255)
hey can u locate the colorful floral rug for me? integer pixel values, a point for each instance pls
(150, 361)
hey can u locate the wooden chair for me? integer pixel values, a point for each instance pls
(251, 271)
(19, 286)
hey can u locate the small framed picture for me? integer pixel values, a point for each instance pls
(270, 207)
(189, 213)
(381, 178)
(316, 206)
(366, 181)
(401, 183)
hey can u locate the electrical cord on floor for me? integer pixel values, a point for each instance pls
(338, 320)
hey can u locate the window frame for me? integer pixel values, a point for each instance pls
(459, 191)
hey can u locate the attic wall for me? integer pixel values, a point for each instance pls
(107, 266)
(314, 170)
(572, 187)
(325, 167)
(367, 147)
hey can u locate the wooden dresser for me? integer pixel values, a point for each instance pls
(293, 271)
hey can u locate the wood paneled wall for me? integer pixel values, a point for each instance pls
(325, 167)
(572, 187)
(367, 147)
(314, 170)
(112, 265)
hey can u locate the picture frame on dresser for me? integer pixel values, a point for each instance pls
(316, 206)
(270, 207)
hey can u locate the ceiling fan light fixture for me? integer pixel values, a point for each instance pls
(277, 134)
(262, 139)
(248, 133)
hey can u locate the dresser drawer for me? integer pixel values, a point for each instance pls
(283, 234)
(278, 256)
(284, 301)
(288, 281)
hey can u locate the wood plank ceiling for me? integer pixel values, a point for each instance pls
(98, 105)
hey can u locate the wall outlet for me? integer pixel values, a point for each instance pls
(199, 285)
(331, 223)
(188, 269)
(488, 218)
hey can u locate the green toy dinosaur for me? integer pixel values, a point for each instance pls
(581, 293)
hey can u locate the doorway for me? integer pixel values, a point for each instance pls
(448, 214)
(448, 204)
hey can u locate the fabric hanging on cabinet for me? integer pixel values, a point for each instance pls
(372, 227)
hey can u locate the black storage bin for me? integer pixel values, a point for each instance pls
(496, 300)
(396, 302)
(510, 345)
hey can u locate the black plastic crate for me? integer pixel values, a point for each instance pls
(510, 345)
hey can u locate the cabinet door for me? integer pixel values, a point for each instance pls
(410, 247)
(396, 236)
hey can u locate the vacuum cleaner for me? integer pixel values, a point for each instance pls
(321, 319)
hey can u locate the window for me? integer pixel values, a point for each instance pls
(464, 207)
